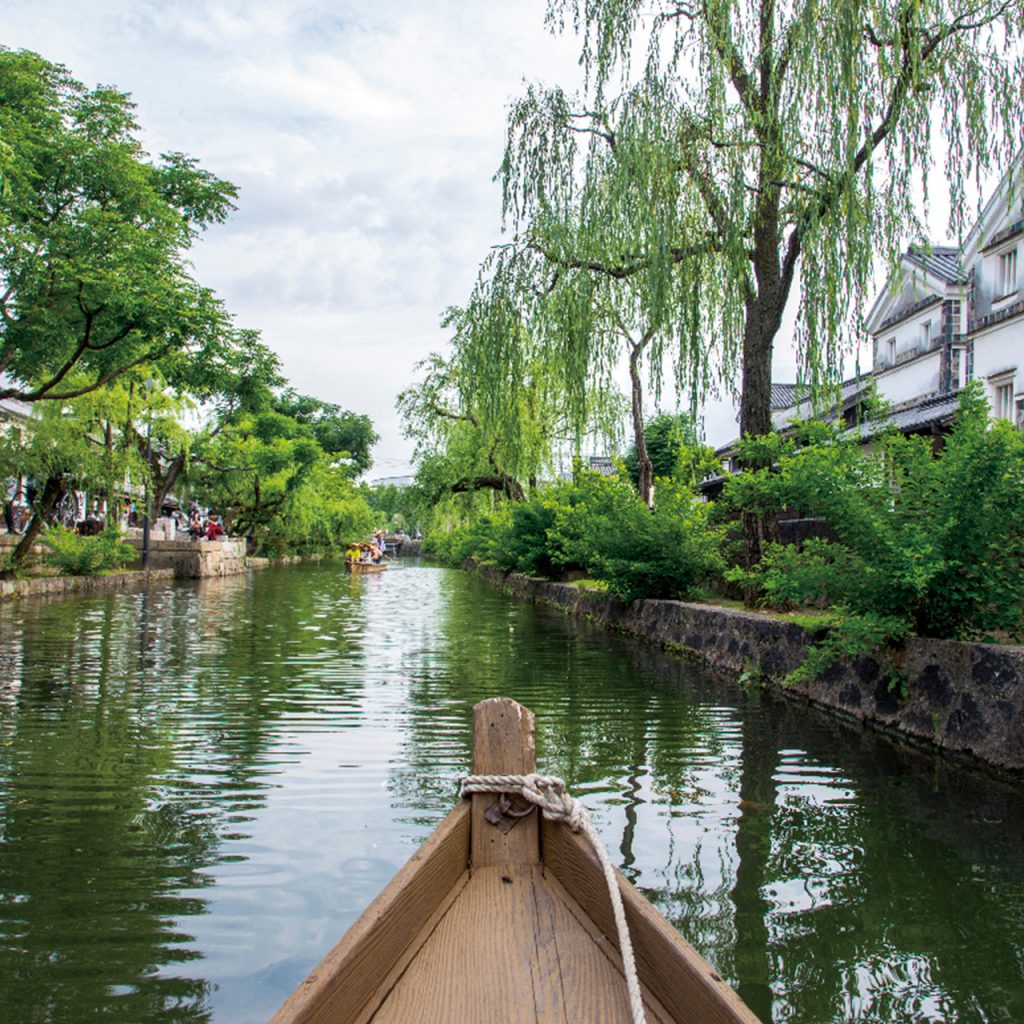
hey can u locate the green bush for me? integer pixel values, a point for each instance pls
(930, 544)
(519, 540)
(611, 533)
(72, 555)
(470, 540)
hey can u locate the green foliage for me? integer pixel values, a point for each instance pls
(610, 532)
(675, 450)
(926, 544)
(94, 238)
(469, 439)
(346, 436)
(600, 525)
(467, 540)
(719, 154)
(86, 556)
(63, 440)
(324, 511)
(521, 539)
(398, 507)
(268, 474)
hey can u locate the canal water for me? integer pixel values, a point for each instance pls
(202, 786)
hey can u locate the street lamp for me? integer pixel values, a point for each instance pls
(149, 384)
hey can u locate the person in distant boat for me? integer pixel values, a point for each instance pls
(378, 540)
(354, 552)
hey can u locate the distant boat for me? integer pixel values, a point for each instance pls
(503, 915)
(364, 567)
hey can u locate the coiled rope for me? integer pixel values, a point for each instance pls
(548, 793)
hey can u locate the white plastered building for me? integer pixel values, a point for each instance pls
(953, 315)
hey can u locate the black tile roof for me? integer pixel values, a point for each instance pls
(928, 412)
(783, 395)
(941, 260)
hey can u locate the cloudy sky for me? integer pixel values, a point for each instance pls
(363, 137)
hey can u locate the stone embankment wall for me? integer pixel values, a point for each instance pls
(185, 558)
(64, 586)
(403, 547)
(194, 559)
(964, 699)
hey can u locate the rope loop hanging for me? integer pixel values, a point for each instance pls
(548, 793)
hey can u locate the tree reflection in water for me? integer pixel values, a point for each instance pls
(232, 771)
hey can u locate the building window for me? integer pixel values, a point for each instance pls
(1002, 401)
(890, 352)
(1007, 273)
(926, 336)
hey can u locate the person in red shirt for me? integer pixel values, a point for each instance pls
(213, 529)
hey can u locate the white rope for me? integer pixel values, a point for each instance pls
(548, 793)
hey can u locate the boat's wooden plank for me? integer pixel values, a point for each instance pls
(372, 1005)
(347, 977)
(654, 1011)
(681, 980)
(503, 744)
(509, 951)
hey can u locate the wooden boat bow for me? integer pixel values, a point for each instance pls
(502, 916)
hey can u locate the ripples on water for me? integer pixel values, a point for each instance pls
(202, 786)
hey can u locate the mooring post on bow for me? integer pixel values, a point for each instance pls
(503, 744)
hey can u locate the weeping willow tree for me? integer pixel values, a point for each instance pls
(720, 147)
(503, 437)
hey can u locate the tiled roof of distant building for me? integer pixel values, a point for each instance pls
(943, 261)
(783, 395)
(937, 410)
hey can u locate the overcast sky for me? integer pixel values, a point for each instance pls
(364, 138)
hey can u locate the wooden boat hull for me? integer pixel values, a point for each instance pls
(471, 930)
(366, 567)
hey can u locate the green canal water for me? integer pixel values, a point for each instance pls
(202, 786)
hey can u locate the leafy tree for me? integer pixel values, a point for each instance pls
(399, 507)
(675, 450)
(755, 138)
(239, 373)
(66, 447)
(342, 434)
(468, 440)
(94, 278)
(273, 481)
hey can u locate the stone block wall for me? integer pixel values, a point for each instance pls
(194, 559)
(965, 699)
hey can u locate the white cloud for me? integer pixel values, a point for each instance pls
(319, 84)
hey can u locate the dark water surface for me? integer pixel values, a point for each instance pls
(202, 786)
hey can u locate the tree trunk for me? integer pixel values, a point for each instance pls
(644, 469)
(45, 505)
(762, 318)
(756, 386)
(162, 485)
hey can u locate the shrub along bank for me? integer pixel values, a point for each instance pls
(926, 544)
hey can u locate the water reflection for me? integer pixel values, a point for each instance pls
(201, 786)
